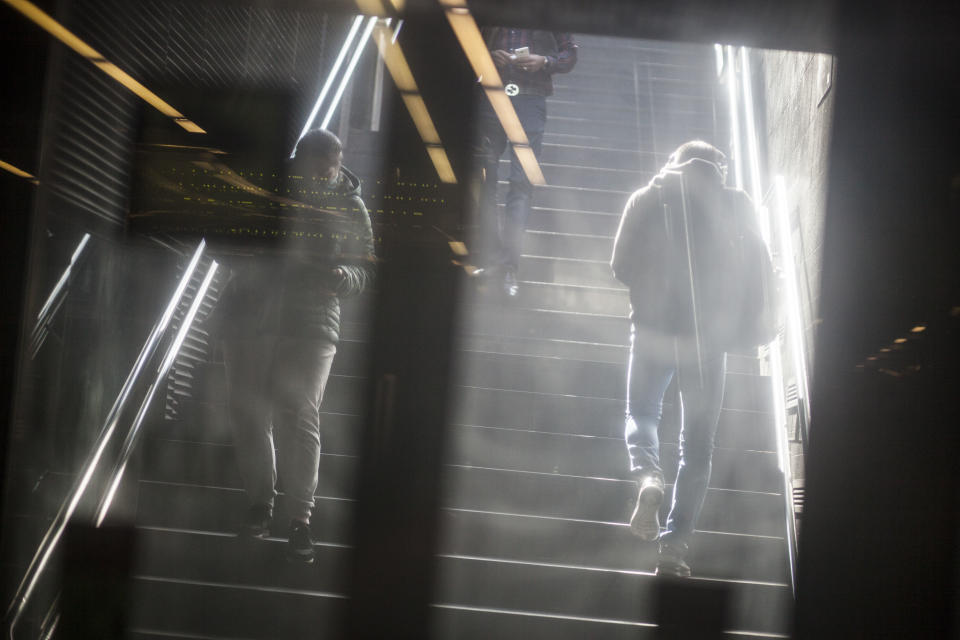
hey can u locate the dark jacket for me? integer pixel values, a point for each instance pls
(708, 270)
(291, 289)
(559, 48)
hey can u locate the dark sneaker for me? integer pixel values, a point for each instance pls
(257, 524)
(511, 287)
(672, 560)
(645, 521)
(300, 544)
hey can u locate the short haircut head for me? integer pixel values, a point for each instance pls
(318, 144)
(698, 149)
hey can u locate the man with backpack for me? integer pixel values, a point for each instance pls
(701, 284)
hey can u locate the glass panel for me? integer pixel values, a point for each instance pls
(203, 270)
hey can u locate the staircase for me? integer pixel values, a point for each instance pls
(537, 498)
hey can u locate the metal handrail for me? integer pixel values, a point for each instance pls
(68, 507)
(133, 434)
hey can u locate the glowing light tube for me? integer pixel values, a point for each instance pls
(335, 102)
(341, 56)
(52, 537)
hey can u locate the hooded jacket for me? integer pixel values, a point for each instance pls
(295, 291)
(691, 252)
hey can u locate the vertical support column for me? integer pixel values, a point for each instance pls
(397, 511)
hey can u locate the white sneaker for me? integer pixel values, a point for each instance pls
(645, 521)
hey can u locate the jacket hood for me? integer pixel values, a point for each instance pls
(698, 172)
(348, 184)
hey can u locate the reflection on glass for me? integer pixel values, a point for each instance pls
(575, 471)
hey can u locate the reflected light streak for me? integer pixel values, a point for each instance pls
(441, 163)
(753, 151)
(794, 316)
(371, 7)
(734, 117)
(63, 278)
(172, 352)
(67, 37)
(529, 163)
(52, 537)
(392, 54)
(396, 63)
(421, 118)
(396, 32)
(330, 78)
(918, 329)
(335, 102)
(474, 47)
(507, 115)
(20, 173)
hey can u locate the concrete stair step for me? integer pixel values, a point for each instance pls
(518, 537)
(311, 598)
(564, 220)
(471, 446)
(504, 491)
(587, 199)
(571, 246)
(591, 273)
(624, 179)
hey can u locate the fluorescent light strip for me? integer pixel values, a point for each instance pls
(330, 78)
(471, 41)
(64, 35)
(734, 117)
(753, 148)
(371, 7)
(421, 118)
(774, 348)
(473, 45)
(20, 173)
(441, 163)
(529, 163)
(794, 317)
(371, 23)
(396, 63)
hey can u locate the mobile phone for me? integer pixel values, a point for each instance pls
(522, 52)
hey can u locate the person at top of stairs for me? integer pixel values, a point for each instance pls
(699, 275)
(281, 321)
(526, 60)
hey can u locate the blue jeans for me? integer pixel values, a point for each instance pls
(502, 240)
(648, 377)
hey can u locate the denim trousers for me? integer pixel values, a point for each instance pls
(701, 392)
(274, 388)
(502, 238)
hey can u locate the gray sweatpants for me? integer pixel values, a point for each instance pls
(274, 386)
